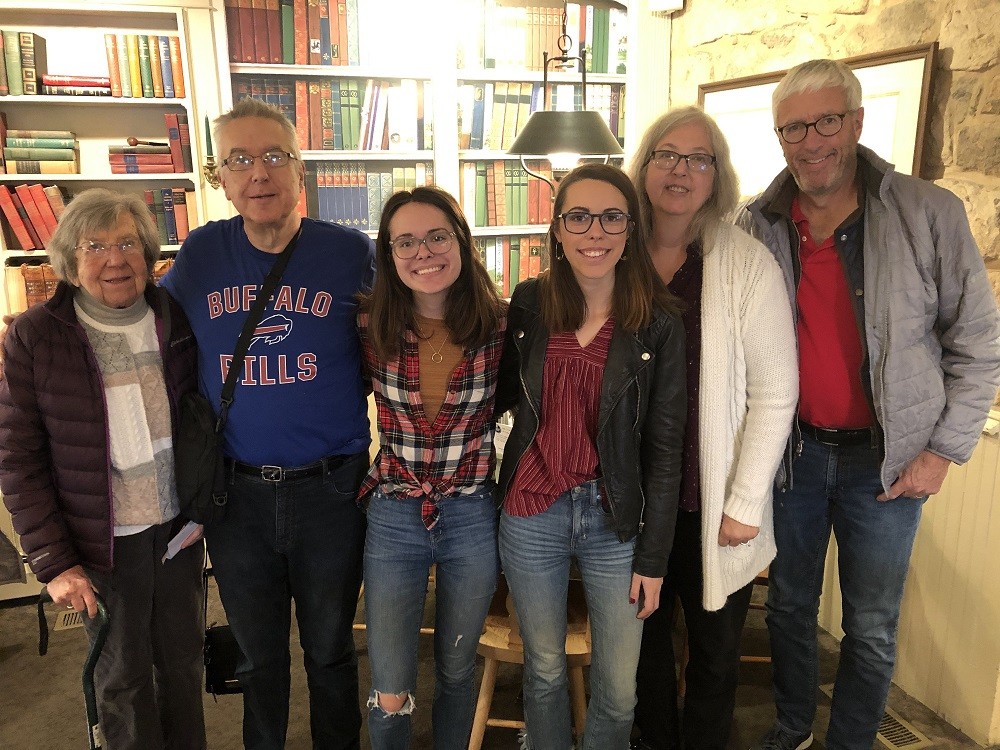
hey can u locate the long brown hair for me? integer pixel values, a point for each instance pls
(638, 288)
(473, 307)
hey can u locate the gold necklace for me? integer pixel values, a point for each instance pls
(436, 357)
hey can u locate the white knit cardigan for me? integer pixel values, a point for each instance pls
(748, 393)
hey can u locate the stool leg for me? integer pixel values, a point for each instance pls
(483, 704)
(578, 699)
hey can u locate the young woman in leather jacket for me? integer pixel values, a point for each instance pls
(594, 360)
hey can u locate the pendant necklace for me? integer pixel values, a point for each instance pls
(436, 357)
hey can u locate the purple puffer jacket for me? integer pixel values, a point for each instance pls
(54, 454)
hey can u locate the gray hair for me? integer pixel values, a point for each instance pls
(725, 187)
(98, 210)
(815, 75)
(255, 108)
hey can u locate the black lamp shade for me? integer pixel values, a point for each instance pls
(548, 132)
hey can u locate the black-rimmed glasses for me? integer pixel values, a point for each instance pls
(668, 161)
(243, 162)
(578, 222)
(827, 125)
(438, 242)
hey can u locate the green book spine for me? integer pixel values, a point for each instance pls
(480, 194)
(287, 33)
(123, 71)
(161, 217)
(12, 56)
(145, 69)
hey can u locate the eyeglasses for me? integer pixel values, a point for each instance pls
(578, 222)
(438, 242)
(827, 125)
(668, 161)
(100, 249)
(243, 162)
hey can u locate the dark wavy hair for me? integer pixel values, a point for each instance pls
(473, 307)
(638, 288)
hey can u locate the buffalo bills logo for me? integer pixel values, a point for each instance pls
(271, 330)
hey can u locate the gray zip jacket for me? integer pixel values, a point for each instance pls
(931, 324)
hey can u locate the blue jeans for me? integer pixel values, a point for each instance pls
(399, 551)
(835, 487)
(535, 552)
(298, 539)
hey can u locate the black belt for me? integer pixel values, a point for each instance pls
(271, 473)
(863, 436)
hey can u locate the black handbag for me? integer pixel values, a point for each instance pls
(222, 655)
(198, 459)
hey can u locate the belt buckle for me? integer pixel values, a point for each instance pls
(272, 473)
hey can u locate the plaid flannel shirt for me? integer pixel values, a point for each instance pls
(452, 456)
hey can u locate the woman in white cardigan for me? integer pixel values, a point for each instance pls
(742, 373)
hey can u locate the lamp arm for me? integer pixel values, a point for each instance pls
(543, 178)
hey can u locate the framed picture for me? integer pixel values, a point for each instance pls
(895, 86)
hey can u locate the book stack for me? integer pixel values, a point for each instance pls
(39, 282)
(76, 85)
(353, 193)
(30, 214)
(293, 32)
(512, 258)
(499, 193)
(24, 63)
(145, 65)
(350, 113)
(175, 211)
(41, 152)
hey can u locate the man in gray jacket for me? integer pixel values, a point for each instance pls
(899, 361)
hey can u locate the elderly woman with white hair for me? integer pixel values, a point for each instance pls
(88, 416)
(742, 384)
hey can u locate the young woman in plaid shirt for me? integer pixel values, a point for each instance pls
(432, 333)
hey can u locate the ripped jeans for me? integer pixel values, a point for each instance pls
(399, 552)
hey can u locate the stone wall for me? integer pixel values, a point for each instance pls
(714, 40)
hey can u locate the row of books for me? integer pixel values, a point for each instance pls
(510, 259)
(38, 151)
(492, 114)
(293, 32)
(353, 193)
(499, 193)
(149, 157)
(144, 65)
(30, 214)
(24, 62)
(175, 211)
(40, 280)
(514, 37)
(348, 113)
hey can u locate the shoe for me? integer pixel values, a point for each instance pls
(780, 739)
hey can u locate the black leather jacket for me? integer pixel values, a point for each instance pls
(641, 418)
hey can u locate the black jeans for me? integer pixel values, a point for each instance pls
(300, 539)
(713, 667)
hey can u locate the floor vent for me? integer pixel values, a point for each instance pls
(893, 731)
(67, 620)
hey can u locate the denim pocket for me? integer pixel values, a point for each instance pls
(347, 478)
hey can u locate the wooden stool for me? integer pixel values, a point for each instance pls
(501, 642)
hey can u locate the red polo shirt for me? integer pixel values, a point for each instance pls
(830, 354)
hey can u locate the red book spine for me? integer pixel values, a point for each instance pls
(14, 219)
(34, 216)
(312, 25)
(273, 12)
(302, 113)
(180, 213)
(114, 71)
(246, 31)
(164, 160)
(315, 116)
(260, 44)
(233, 31)
(44, 209)
(301, 35)
(174, 139)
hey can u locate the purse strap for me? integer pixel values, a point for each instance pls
(253, 318)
